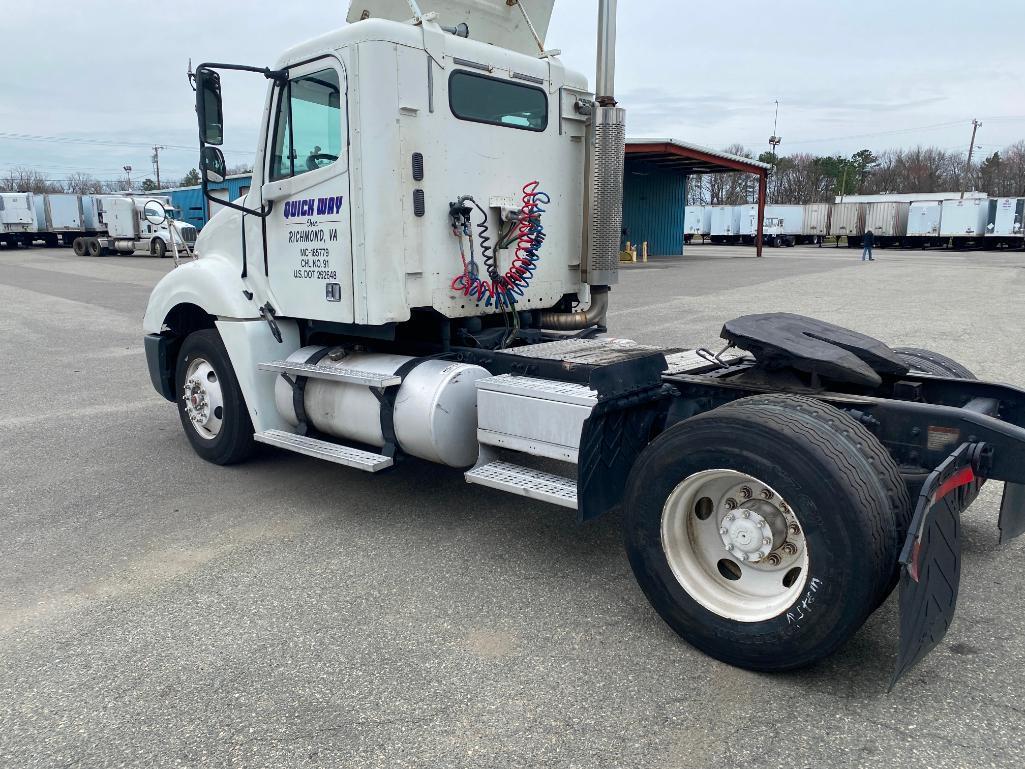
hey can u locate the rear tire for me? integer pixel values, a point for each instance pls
(929, 362)
(858, 439)
(79, 246)
(844, 531)
(211, 406)
(93, 247)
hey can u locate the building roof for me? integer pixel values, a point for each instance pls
(197, 186)
(908, 197)
(687, 158)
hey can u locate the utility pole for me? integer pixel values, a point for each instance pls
(156, 163)
(774, 140)
(128, 172)
(968, 164)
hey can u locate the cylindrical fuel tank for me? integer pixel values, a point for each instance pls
(435, 414)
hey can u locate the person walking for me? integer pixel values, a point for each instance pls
(868, 241)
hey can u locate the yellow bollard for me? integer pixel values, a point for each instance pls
(644, 251)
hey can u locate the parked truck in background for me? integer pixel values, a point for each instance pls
(103, 224)
(453, 308)
(17, 219)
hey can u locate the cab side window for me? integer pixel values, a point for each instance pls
(308, 126)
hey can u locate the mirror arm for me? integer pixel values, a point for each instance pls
(262, 214)
(270, 74)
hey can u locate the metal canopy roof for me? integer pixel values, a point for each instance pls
(686, 158)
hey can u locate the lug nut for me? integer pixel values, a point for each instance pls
(746, 492)
(795, 529)
(729, 547)
(766, 541)
(731, 504)
(767, 494)
(723, 531)
(742, 556)
(747, 513)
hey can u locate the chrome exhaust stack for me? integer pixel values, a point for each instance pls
(606, 148)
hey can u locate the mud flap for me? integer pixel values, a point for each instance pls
(931, 558)
(1012, 512)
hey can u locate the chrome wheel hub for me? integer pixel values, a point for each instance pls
(204, 401)
(734, 545)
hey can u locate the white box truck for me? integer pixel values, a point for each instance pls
(1005, 223)
(17, 219)
(964, 221)
(773, 226)
(766, 495)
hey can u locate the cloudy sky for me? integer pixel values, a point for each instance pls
(91, 86)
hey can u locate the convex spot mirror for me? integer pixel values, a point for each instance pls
(214, 169)
(208, 104)
(154, 213)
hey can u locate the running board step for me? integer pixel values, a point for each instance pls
(526, 482)
(337, 374)
(331, 452)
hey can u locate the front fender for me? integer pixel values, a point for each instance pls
(211, 283)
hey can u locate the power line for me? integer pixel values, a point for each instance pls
(103, 142)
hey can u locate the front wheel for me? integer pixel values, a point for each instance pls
(759, 535)
(159, 248)
(210, 403)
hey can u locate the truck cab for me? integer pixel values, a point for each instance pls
(422, 269)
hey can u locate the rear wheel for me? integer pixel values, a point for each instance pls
(93, 247)
(929, 362)
(210, 403)
(759, 535)
(79, 246)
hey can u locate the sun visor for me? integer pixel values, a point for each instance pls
(490, 21)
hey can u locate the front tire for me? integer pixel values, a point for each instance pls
(817, 573)
(211, 407)
(159, 248)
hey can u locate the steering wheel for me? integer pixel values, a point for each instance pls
(314, 161)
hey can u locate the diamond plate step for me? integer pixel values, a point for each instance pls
(334, 373)
(330, 452)
(526, 482)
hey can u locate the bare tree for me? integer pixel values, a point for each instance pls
(83, 184)
(23, 179)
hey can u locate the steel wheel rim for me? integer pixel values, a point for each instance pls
(696, 535)
(204, 399)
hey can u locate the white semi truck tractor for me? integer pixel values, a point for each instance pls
(124, 224)
(421, 271)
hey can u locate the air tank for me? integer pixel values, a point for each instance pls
(435, 413)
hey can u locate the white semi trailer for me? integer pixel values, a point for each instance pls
(1005, 223)
(17, 218)
(451, 307)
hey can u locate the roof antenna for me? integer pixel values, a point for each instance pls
(192, 75)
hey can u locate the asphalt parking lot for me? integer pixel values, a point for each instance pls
(159, 611)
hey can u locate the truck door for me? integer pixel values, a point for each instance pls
(309, 251)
